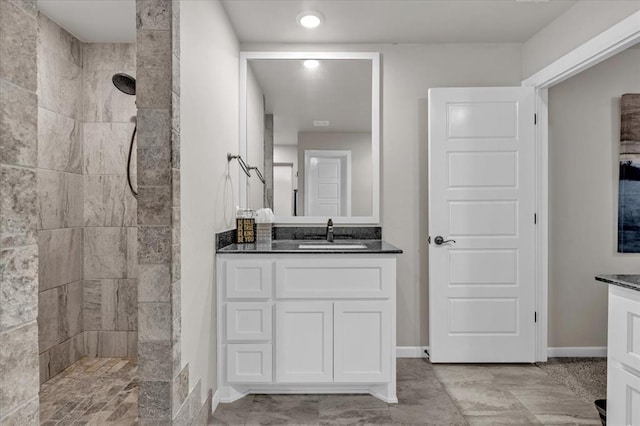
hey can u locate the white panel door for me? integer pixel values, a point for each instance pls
(362, 341)
(324, 198)
(304, 342)
(481, 203)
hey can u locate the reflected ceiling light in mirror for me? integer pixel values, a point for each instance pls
(310, 19)
(311, 64)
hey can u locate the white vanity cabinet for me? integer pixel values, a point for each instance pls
(306, 323)
(623, 369)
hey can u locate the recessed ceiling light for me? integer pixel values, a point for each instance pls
(311, 63)
(310, 18)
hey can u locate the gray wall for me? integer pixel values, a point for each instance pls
(19, 384)
(109, 242)
(60, 198)
(584, 138)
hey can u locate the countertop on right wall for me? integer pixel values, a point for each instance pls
(627, 281)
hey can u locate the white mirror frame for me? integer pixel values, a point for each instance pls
(374, 57)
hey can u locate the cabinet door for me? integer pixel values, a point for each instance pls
(248, 278)
(249, 363)
(304, 342)
(248, 321)
(623, 397)
(362, 340)
(624, 326)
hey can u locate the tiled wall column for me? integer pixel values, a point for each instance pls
(19, 382)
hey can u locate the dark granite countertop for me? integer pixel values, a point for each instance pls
(291, 246)
(628, 281)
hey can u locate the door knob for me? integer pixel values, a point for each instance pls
(439, 240)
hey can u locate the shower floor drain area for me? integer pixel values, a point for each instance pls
(95, 391)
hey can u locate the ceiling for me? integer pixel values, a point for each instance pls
(393, 21)
(338, 91)
(94, 21)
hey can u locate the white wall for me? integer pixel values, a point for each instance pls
(209, 124)
(255, 140)
(408, 71)
(580, 23)
(584, 138)
(287, 154)
(359, 144)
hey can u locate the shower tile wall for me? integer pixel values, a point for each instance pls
(60, 199)
(110, 233)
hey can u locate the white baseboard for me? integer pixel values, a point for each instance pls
(411, 351)
(215, 401)
(578, 352)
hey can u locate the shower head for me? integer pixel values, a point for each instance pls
(124, 83)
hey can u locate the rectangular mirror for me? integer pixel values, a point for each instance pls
(310, 124)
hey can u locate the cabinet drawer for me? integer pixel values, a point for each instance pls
(249, 321)
(249, 363)
(335, 278)
(248, 279)
(623, 396)
(624, 326)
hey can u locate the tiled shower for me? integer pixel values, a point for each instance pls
(86, 231)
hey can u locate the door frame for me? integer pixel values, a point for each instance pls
(345, 156)
(610, 42)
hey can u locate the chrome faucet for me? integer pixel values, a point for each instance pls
(330, 230)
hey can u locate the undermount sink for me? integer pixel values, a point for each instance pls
(331, 246)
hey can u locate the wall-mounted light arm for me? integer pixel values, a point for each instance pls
(243, 165)
(257, 172)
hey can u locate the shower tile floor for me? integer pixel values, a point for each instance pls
(93, 391)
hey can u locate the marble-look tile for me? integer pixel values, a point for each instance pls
(132, 344)
(176, 263)
(175, 150)
(59, 142)
(18, 286)
(18, 32)
(109, 253)
(153, 87)
(154, 360)
(350, 402)
(175, 187)
(175, 225)
(60, 257)
(154, 283)
(234, 413)
(186, 414)
(557, 406)
(180, 389)
(113, 57)
(509, 418)
(59, 314)
(154, 127)
(65, 354)
(204, 416)
(48, 319)
(155, 399)
(154, 321)
(154, 48)
(175, 28)
(111, 305)
(154, 205)
(438, 409)
(278, 409)
(153, 15)
(59, 83)
(44, 367)
(452, 374)
(154, 166)
(175, 112)
(60, 199)
(19, 366)
(176, 312)
(18, 207)
(478, 399)
(354, 416)
(28, 6)
(57, 39)
(103, 102)
(108, 201)
(154, 244)
(177, 356)
(106, 343)
(27, 415)
(106, 147)
(175, 78)
(18, 125)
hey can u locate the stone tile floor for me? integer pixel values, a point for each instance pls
(103, 391)
(428, 395)
(93, 391)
